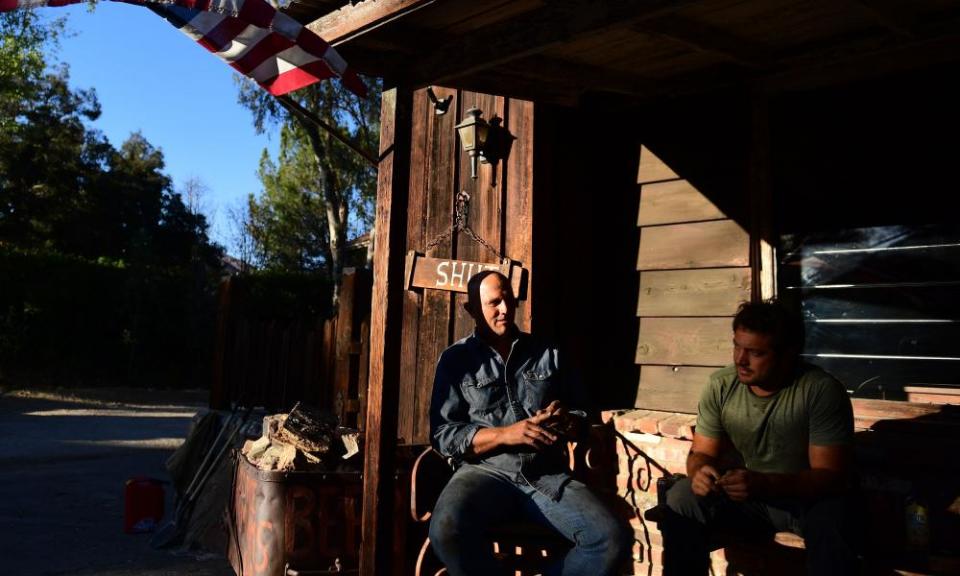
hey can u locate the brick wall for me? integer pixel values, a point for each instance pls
(649, 444)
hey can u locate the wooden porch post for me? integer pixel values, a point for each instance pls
(760, 202)
(385, 324)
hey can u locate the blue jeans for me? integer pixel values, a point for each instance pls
(478, 498)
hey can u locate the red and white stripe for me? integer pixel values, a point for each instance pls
(254, 38)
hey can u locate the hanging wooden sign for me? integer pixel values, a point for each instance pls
(453, 275)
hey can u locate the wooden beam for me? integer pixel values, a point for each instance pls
(562, 21)
(579, 77)
(709, 39)
(385, 333)
(866, 58)
(891, 15)
(355, 19)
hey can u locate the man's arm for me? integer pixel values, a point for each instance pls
(828, 474)
(527, 432)
(451, 430)
(702, 463)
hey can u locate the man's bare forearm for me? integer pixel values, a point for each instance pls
(696, 460)
(485, 440)
(525, 433)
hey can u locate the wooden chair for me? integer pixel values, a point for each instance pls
(523, 548)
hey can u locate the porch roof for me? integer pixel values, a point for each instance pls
(559, 50)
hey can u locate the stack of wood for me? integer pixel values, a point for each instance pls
(303, 438)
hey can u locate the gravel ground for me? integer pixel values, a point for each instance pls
(64, 458)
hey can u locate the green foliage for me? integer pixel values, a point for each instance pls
(280, 295)
(318, 191)
(107, 276)
(75, 322)
(23, 40)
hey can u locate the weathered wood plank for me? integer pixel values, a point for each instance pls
(518, 188)
(690, 341)
(434, 333)
(420, 174)
(710, 39)
(868, 412)
(932, 394)
(671, 388)
(707, 292)
(531, 33)
(721, 243)
(385, 330)
(344, 339)
(485, 208)
(219, 394)
(652, 168)
(674, 201)
(364, 375)
(353, 20)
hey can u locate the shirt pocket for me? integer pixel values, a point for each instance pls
(485, 394)
(540, 389)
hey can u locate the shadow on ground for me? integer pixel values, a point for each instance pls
(64, 460)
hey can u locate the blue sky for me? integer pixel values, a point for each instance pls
(151, 77)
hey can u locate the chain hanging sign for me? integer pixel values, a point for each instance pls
(453, 275)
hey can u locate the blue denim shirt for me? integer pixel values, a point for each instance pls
(475, 388)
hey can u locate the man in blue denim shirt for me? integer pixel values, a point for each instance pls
(500, 410)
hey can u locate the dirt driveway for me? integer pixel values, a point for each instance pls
(64, 459)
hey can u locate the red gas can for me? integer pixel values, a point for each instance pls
(142, 504)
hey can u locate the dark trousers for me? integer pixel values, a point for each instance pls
(693, 526)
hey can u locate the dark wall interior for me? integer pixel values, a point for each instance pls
(586, 244)
(875, 153)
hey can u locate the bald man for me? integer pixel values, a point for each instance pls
(503, 411)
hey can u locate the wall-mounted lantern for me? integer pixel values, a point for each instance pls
(473, 136)
(484, 142)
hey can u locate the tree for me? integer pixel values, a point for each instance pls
(24, 40)
(319, 189)
(104, 222)
(241, 232)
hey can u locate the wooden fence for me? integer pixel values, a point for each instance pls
(275, 362)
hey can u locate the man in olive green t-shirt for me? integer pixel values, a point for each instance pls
(771, 452)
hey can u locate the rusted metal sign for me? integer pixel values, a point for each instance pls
(453, 275)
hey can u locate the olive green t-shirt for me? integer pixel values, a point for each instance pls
(773, 433)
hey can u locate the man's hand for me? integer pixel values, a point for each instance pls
(558, 420)
(528, 432)
(705, 480)
(741, 484)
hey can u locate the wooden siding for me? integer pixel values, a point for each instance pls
(652, 168)
(694, 267)
(674, 201)
(672, 388)
(685, 341)
(500, 214)
(704, 292)
(698, 245)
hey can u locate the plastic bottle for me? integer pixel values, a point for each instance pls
(917, 524)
